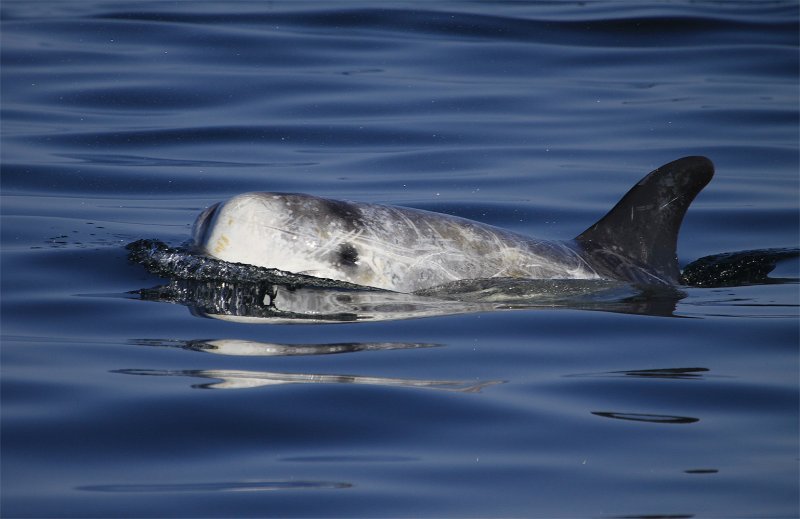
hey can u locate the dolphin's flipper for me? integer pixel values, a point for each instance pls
(643, 227)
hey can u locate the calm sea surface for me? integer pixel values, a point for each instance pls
(123, 120)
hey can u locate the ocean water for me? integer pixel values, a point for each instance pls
(123, 120)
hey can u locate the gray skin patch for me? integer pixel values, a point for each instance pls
(349, 214)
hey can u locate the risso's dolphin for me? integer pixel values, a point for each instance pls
(406, 250)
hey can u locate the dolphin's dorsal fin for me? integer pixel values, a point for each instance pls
(643, 227)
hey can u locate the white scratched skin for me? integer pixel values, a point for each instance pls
(393, 248)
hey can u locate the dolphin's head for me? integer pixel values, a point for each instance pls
(296, 233)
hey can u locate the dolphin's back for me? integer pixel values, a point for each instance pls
(412, 249)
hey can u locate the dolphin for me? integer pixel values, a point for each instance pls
(408, 250)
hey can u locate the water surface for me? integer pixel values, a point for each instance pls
(123, 120)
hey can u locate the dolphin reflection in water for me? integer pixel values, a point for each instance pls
(240, 379)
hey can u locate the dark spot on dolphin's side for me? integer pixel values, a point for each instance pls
(348, 255)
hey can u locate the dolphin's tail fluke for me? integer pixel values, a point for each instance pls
(642, 229)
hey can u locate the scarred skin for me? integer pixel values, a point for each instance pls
(393, 248)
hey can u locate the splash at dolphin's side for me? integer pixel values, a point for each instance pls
(408, 250)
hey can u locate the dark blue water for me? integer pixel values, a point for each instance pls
(122, 120)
